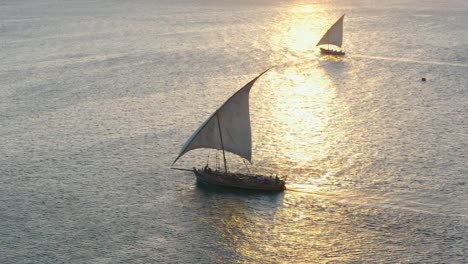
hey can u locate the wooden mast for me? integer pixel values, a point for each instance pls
(222, 144)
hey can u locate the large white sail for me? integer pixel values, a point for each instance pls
(232, 119)
(334, 35)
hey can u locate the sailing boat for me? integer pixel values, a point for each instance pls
(228, 129)
(334, 36)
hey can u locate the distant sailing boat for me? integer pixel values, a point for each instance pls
(228, 129)
(334, 36)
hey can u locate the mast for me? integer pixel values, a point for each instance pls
(222, 145)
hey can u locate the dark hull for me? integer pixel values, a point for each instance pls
(241, 181)
(332, 52)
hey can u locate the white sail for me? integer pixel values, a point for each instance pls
(233, 119)
(334, 35)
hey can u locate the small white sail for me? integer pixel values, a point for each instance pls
(233, 119)
(334, 35)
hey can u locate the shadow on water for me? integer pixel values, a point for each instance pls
(334, 67)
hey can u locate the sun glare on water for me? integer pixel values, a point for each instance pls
(292, 104)
(298, 32)
(291, 113)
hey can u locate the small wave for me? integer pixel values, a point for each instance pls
(307, 188)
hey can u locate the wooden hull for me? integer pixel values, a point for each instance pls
(332, 52)
(242, 181)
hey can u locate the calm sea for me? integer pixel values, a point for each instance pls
(98, 96)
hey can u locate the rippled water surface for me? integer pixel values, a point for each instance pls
(98, 96)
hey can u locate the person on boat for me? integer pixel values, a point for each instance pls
(205, 169)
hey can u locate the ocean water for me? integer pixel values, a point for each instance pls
(98, 97)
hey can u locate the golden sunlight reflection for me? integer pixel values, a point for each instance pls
(296, 119)
(298, 39)
(297, 227)
(291, 111)
(298, 32)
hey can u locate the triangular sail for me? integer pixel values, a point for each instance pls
(233, 119)
(334, 35)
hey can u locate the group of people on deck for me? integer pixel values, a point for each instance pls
(206, 168)
(258, 178)
(270, 180)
